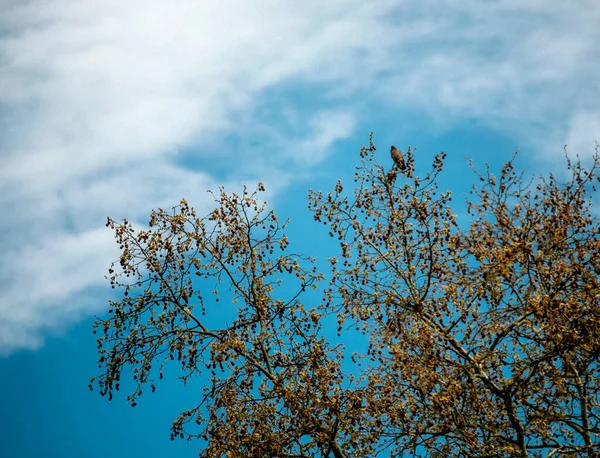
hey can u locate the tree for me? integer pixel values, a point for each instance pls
(483, 332)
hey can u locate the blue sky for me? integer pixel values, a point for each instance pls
(115, 108)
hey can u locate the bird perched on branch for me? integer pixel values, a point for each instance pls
(398, 158)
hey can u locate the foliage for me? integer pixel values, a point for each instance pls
(483, 339)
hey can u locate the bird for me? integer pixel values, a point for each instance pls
(397, 158)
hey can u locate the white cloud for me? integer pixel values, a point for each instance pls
(116, 107)
(583, 132)
(513, 65)
(44, 277)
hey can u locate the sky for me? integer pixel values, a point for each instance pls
(114, 108)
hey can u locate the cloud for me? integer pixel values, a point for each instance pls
(524, 68)
(114, 108)
(44, 278)
(583, 127)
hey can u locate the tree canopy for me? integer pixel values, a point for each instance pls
(482, 331)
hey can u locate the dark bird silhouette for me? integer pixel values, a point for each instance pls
(397, 158)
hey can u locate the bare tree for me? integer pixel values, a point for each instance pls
(483, 338)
